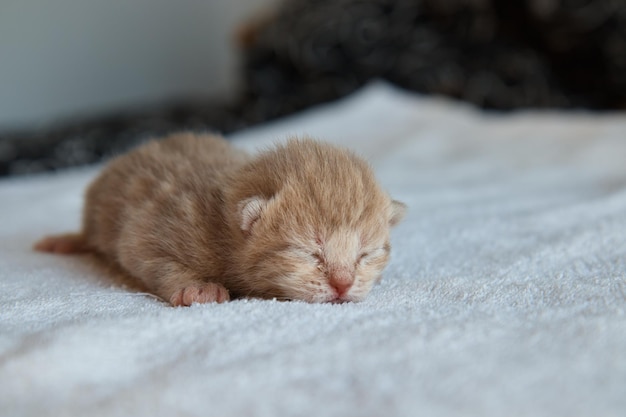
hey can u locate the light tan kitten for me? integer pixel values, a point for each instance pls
(196, 220)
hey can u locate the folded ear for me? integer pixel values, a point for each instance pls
(398, 210)
(250, 210)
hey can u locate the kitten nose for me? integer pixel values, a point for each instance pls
(341, 282)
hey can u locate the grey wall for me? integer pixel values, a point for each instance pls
(63, 58)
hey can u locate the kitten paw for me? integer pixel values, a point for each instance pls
(200, 293)
(63, 244)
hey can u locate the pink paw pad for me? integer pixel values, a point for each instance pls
(201, 293)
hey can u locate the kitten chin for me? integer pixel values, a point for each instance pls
(196, 220)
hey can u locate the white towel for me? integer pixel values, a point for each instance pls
(505, 295)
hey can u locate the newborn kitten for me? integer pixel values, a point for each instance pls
(196, 221)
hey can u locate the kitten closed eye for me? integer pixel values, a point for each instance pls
(318, 257)
(373, 254)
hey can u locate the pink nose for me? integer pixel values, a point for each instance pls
(341, 283)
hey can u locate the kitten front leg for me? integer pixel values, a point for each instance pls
(182, 287)
(173, 281)
(208, 292)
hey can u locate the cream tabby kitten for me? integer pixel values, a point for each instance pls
(197, 221)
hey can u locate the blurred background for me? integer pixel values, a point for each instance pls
(83, 80)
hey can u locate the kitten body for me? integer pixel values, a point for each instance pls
(196, 220)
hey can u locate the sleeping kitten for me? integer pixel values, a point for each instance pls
(197, 221)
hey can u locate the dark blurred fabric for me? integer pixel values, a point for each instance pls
(499, 55)
(496, 54)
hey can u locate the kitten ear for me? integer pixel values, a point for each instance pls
(249, 212)
(398, 210)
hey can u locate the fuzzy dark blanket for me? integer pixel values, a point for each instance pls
(498, 54)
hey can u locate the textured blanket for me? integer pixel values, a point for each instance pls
(505, 296)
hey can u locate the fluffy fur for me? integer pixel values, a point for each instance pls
(196, 220)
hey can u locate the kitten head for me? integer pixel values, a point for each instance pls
(313, 225)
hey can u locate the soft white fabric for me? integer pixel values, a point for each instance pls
(505, 295)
